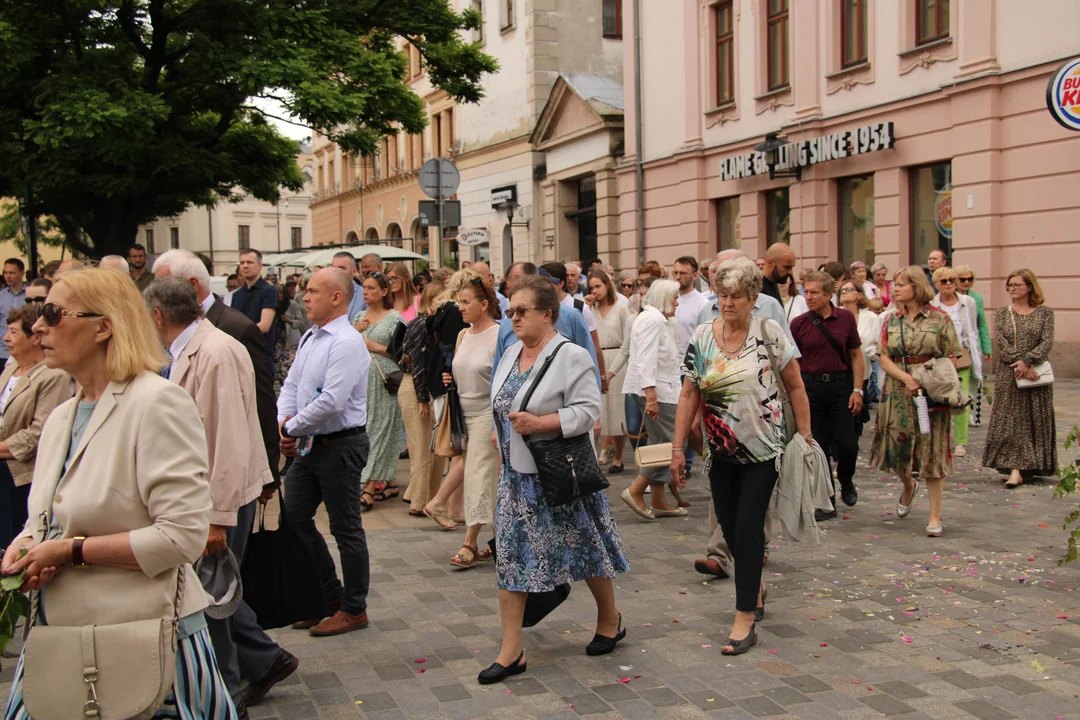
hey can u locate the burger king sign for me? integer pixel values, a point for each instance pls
(1063, 95)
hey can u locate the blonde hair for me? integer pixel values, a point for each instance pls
(942, 272)
(134, 346)
(917, 278)
(966, 270)
(482, 290)
(433, 291)
(1035, 297)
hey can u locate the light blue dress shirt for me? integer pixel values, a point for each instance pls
(570, 325)
(357, 304)
(504, 303)
(766, 307)
(9, 301)
(326, 389)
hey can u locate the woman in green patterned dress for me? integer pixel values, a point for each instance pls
(913, 331)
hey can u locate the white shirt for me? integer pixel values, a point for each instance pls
(326, 389)
(178, 345)
(586, 312)
(622, 298)
(686, 313)
(6, 393)
(654, 357)
(794, 307)
(870, 290)
(208, 302)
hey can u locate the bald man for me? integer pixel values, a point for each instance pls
(70, 265)
(113, 262)
(779, 264)
(323, 403)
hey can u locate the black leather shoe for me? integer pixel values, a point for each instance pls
(850, 496)
(283, 667)
(821, 515)
(738, 647)
(495, 672)
(602, 645)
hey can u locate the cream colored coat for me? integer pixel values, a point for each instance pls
(35, 395)
(140, 467)
(217, 373)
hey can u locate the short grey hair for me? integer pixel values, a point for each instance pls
(346, 255)
(176, 299)
(184, 265)
(577, 269)
(738, 275)
(878, 266)
(372, 256)
(114, 262)
(662, 295)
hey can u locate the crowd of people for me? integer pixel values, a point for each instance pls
(144, 419)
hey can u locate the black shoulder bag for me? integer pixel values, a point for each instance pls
(566, 467)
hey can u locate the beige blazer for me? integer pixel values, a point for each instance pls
(35, 395)
(217, 373)
(140, 467)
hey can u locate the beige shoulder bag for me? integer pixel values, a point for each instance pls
(1044, 370)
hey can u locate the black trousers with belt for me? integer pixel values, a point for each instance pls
(831, 422)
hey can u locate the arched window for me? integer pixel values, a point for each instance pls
(393, 233)
(352, 238)
(371, 236)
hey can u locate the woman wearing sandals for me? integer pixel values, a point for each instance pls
(539, 546)
(378, 325)
(473, 360)
(613, 317)
(1021, 437)
(913, 331)
(730, 376)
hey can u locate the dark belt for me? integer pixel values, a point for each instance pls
(347, 432)
(613, 347)
(827, 377)
(912, 359)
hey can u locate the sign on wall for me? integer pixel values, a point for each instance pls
(468, 238)
(1063, 95)
(804, 153)
(502, 195)
(943, 211)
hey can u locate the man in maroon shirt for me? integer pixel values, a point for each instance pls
(832, 370)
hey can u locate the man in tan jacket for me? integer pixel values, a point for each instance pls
(217, 372)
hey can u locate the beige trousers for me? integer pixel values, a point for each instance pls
(425, 470)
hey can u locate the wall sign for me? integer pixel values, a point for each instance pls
(943, 211)
(502, 195)
(804, 153)
(1063, 95)
(468, 238)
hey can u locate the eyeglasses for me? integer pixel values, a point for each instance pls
(52, 314)
(627, 285)
(518, 312)
(1013, 286)
(947, 281)
(965, 279)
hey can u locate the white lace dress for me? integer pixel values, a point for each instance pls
(612, 331)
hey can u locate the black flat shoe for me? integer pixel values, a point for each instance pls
(822, 515)
(615, 469)
(738, 647)
(495, 672)
(602, 645)
(850, 496)
(759, 613)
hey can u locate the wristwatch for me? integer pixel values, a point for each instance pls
(76, 553)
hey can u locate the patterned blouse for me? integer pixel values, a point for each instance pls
(740, 400)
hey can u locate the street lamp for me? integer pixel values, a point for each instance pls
(510, 206)
(770, 146)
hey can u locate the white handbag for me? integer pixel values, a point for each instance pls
(654, 456)
(1046, 376)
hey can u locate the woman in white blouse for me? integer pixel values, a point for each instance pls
(613, 318)
(652, 378)
(853, 299)
(962, 311)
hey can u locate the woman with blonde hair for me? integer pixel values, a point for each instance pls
(404, 295)
(120, 502)
(913, 331)
(961, 310)
(965, 284)
(613, 319)
(1022, 438)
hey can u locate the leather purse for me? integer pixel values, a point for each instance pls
(654, 456)
(110, 672)
(566, 467)
(391, 380)
(1044, 370)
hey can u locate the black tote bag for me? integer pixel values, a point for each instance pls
(281, 583)
(538, 605)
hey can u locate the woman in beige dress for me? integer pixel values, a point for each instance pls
(613, 319)
(472, 367)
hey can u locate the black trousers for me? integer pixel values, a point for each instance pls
(741, 496)
(831, 422)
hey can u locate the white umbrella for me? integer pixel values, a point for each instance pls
(322, 258)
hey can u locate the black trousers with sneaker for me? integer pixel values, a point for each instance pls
(330, 475)
(831, 422)
(741, 494)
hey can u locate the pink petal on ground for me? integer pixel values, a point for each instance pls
(624, 680)
(420, 661)
(774, 652)
(905, 638)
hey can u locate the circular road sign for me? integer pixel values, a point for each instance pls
(439, 174)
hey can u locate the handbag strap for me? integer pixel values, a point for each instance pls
(832, 341)
(540, 375)
(769, 342)
(90, 672)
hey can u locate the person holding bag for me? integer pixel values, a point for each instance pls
(1021, 437)
(964, 315)
(119, 509)
(731, 374)
(541, 546)
(913, 333)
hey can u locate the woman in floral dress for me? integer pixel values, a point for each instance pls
(913, 331)
(1022, 439)
(378, 325)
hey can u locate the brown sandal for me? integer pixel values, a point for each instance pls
(439, 515)
(458, 560)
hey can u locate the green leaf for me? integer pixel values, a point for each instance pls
(11, 583)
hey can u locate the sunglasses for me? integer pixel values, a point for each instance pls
(966, 280)
(947, 281)
(518, 312)
(627, 285)
(52, 314)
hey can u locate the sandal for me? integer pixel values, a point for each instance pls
(738, 647)
(365, 506)
(459, 560)
(439, 515)
(383, 493)
(484, 555)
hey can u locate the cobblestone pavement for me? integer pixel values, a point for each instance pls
(878, 621)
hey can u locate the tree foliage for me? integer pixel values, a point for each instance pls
(117, 113)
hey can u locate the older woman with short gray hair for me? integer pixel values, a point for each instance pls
(880, 274)
(652, 379)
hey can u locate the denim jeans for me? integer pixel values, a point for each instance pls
(330, 475)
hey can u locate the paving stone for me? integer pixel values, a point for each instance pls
(760, 706)
(807, 684)
(786, 696)
(886, 705)
(450, 693)
(466, 630)
(614, 692)
(984, 710)
(452, 652)
(587, 704)
(394, 672)
(961, 679)
(321, 681)
(900, 690)
(477, 611)
(391, 624)
(708, 700)
(525, 686)
(1015, 684)
(660, 697)
(636, 710)
(783, 631)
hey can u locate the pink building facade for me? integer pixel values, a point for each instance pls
(915, 125)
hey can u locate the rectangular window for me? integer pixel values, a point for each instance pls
(778, 216)
(149, 240)
(448, 128)
(725, 53)
(243, 237)
(931, 20)
(727, 224)
(174, 238)
(296, 236)
(506, 14)
(856, 195)
(931, 211)
(613, 19)
(478, 6)
(854, 32)
(778, 44)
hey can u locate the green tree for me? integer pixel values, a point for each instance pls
(11, 227)
(118, 113)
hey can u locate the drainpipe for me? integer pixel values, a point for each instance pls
(638, 135)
